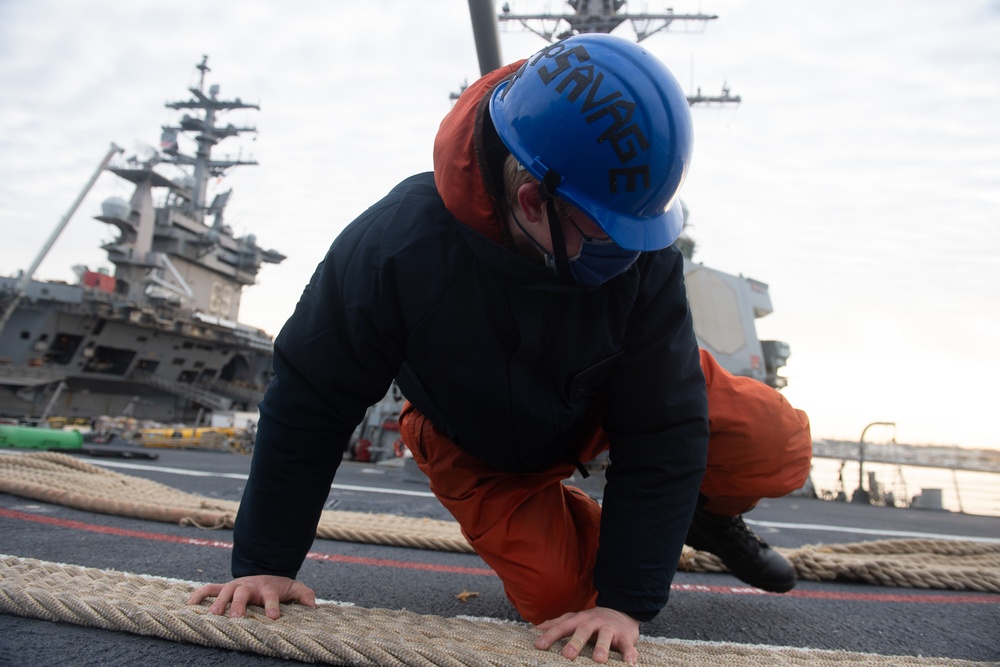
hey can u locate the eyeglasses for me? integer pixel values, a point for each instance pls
(588, 238)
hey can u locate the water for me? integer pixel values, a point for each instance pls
(961, 490)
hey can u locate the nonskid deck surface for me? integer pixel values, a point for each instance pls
(704, 607)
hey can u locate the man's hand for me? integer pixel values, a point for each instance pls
(612, 628)
(262, 590)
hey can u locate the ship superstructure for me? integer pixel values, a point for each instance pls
(160, 337)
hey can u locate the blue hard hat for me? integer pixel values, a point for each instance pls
(603, 122)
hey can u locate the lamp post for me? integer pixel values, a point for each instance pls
(861, 496)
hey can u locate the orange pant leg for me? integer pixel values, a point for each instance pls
(541, 536)
(537, 534)
(759, 445)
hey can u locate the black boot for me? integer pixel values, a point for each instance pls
(748, 557)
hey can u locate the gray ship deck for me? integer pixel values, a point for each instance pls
(706, 607)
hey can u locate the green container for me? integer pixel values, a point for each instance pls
(25, 437)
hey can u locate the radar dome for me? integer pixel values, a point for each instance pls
(115, 207)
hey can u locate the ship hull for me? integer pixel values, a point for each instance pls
(74, 351)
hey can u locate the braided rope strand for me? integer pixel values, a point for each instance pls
(346, 635)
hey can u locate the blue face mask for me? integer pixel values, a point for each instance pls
(599, 261)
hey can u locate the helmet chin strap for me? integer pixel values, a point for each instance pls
(546, 190)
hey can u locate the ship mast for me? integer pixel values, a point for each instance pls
(169, 251)
(599, 16)
(209, 134)
(587, 16)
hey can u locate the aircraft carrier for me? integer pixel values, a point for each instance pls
(160, 337)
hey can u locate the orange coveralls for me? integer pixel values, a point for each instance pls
(541, 536)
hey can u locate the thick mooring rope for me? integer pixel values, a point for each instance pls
(933, 564)
(346, 635)
(942, 564)
(61, 479)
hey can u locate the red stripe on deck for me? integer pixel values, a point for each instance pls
(176, 539)
(919, 598)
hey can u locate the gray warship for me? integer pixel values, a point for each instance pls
(159, 338)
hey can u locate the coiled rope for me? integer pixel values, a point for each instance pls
(61, 479)
(346, 635)
(914, 563)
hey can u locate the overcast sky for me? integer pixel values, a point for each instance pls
(859, 177)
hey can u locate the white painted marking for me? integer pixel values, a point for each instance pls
(172, 471)
(234, 475)
(375, 489)
(870, 531)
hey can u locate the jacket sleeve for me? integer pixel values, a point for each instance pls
(335, 356)
(656, 418)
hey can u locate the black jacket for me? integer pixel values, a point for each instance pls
(503, 357)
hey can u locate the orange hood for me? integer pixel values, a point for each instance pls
(468, 157)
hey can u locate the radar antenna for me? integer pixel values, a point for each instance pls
(600, 16)
(725, 97)
(209, 132)
(589, 16)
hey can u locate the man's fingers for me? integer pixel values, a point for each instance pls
(272, 607)
(206, 591)
(308, 598)
(629, 652)
(222, 599)
(259, 590)
(238, 606)
(576, 643)
(302, 594)
(603, 645)
(552, 622)
(572, 648)
(608, 628)
(555, 629)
